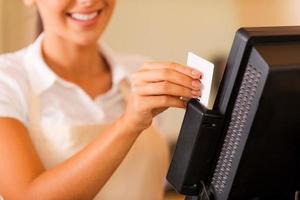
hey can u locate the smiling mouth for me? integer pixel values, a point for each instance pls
(84, 16)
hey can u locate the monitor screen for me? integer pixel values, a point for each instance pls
(248, 146)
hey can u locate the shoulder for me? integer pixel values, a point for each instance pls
(13, 69)
(13, 65)
(14, 82)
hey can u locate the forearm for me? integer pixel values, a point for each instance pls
(84, 174)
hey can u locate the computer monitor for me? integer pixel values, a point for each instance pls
(248, 145)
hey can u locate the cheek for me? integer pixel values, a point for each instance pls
(52, 11)
(53, 4)
(57, 4)
(111, 6)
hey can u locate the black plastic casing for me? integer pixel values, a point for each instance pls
(195, 149)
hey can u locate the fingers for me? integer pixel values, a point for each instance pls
(165, 88)
(173, 66)
(158, 86)
(159, 75)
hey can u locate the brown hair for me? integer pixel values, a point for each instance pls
(39, 25)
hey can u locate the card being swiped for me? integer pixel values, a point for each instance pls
(207, 69)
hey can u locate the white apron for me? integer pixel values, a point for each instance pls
(140, 176)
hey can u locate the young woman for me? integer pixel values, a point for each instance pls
(69, 127)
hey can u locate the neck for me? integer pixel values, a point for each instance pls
(71, 60)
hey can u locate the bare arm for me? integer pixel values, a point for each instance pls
(80, 177)
(156, 87)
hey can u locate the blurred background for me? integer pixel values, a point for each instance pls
(165, 30)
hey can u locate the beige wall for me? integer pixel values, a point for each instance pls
(17, 25)
(167, 29)
(1, 26)
(267, 12)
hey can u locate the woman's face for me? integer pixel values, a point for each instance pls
(81, 21)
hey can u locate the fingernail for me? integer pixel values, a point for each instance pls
(196, 74)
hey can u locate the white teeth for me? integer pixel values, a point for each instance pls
(84, 17)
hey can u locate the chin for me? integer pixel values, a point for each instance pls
(86, 39)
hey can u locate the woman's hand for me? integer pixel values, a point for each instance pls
(156, 87)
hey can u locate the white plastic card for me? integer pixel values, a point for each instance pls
(207, 69)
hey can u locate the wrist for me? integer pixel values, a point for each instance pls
(128, 127)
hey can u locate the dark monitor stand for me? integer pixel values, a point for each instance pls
(248, 146)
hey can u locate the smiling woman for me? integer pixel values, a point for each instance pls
(70, 125)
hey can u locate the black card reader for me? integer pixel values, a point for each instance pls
(196, 145)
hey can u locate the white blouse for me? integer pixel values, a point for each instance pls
(62, 102)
